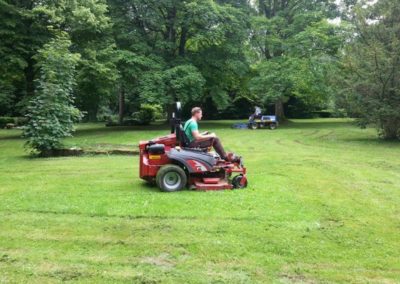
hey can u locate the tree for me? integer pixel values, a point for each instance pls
(180, 83)
(199, 40)
(21, 37)
(51, 112)
(293, 46)
(371, 67)
(215, 53)
(219, 52)
(89, 28)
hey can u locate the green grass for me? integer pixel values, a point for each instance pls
(322, 206)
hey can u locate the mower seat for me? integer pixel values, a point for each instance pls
(181, 136)
(197, 149)
(184, 140)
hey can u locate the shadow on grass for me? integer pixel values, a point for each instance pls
(152, 187)
(146, 186)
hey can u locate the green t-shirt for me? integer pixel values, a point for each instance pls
(190, 126)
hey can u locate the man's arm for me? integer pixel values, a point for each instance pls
(201, 137)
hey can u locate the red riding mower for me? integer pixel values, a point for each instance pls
(171, 165)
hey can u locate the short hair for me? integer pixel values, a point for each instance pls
(196, 110)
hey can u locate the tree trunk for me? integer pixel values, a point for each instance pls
(30, 77)
(279, 111)
(390, 128)
(182, 41)
(170, 34)
(121, 106)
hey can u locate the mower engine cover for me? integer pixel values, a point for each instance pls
(156, 149)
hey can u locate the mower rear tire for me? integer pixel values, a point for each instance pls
(171, 178)
(237, 182)
(273, 126)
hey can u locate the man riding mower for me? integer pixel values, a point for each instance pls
(179, 160)
(205, 139)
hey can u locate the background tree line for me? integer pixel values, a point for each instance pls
(214, 53)
(125, 59)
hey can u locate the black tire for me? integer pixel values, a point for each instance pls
(272, 126)
(171, 178)
(236, 182)
(253, 126)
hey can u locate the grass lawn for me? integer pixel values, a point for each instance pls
(323, 205)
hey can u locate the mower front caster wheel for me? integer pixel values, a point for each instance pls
(171, 178)
(237, 182)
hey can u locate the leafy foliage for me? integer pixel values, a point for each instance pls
(182, 82)
(89, 28)
(294, 48)
(371, 68)
(4, 120)
(21, 37)
(51, 112)
(177, 50)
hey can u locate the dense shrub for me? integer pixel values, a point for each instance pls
(299, 108)
(4, 120)
(106, 114)
(144, 116)
(323, 113)
(147, 114)
(18, 121)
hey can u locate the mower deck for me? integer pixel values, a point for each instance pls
(212, 184)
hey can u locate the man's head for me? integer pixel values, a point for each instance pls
(197, 113)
